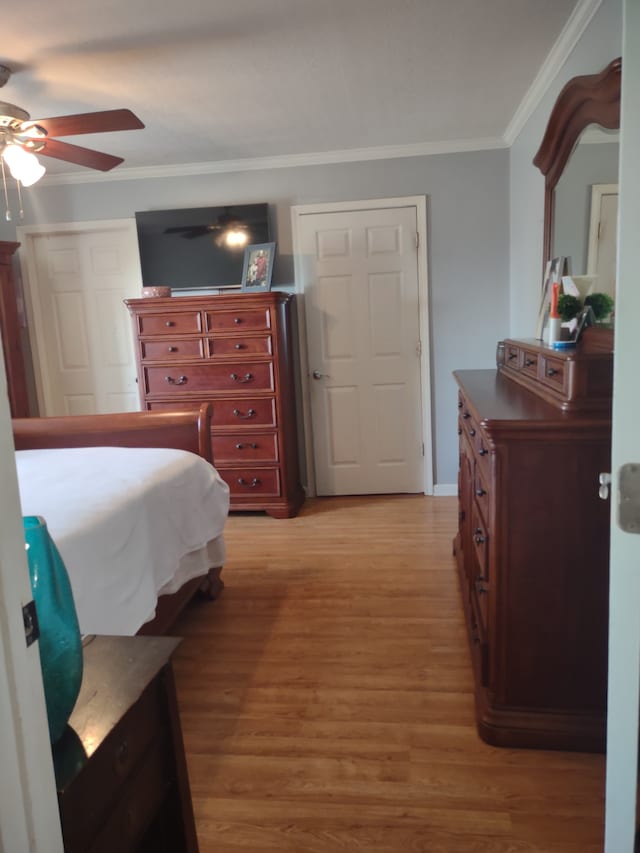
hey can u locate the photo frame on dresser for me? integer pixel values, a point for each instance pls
(258, 267)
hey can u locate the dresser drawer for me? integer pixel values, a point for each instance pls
(529, 363)
(140, 799)
(241, 320)
(171, 350)
(83, 807)
(246, 482)
(205, 377)
(479, 642)
(482, 453)
(480, 535)
(183, 322)
(259, 411)
(244, 449)
(481, 491)
(512, 356)
(258, 345)
(553, 373)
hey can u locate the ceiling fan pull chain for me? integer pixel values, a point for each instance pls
(20, 210)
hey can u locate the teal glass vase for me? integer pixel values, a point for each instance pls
(60, 641)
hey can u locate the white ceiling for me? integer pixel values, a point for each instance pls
(216, 81)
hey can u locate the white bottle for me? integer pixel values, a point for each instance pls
(555, 329)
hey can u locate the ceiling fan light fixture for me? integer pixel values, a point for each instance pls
(24, 166)
(236, 237)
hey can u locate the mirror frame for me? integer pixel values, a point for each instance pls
(585, 100)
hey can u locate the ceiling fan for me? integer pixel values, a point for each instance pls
(21, 137)
(228, 229)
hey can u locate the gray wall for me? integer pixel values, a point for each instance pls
(468, 242)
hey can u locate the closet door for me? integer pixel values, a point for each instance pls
(10, 333)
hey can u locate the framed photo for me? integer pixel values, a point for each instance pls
(258, 267)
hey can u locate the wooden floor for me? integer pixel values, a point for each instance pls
(326, 699)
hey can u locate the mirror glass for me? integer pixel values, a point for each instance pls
(586, 199)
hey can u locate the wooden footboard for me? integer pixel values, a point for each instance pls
(181, 430)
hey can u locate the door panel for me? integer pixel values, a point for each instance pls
(81, 327)
(363, 337)
(624, 595)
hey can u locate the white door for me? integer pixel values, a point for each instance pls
(602, 237)
(79, 327)
(29, 819)
(624, 621)
(361, 295)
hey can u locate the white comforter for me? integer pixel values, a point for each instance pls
(124, 520)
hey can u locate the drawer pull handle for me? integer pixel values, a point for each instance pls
(472, 432)
(459, 404)
(237, 320)
(172, 349)
(239, 346)
(122, 753)
(169, 323)
(459, 430)
(480, 493)
(250, 485)
(250, 414)
(246, 378)
(482, 589)
(528, 362)
(551, 371)
(250, 444)
(480, 540)
(466, 415)
(512, 355)
(179, 381)
(483, 452)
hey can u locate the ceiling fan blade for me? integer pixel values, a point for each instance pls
(189, 232)
(81, 156)
(100, 122)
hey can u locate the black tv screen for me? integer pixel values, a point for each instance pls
(188, 247)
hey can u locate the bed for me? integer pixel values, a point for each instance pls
(135, 507)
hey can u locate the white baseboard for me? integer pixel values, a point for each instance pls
(445, 490)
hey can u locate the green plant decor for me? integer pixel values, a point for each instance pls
(568, 306)
(601, 304)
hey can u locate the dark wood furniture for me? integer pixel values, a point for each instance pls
(236, 352)
(572, 379)
(532, 547)
(120, 766)
(186, 430)
(11, 335)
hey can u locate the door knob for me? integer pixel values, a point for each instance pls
(317, 375)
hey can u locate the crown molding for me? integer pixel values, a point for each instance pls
(567, 40)
(284, 161)
(570, 35)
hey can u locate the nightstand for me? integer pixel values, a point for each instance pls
(120, 767)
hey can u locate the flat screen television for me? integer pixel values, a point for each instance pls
(190, 248)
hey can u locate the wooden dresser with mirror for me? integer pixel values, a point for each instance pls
(532, 547)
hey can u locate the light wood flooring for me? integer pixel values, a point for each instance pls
(326, 699)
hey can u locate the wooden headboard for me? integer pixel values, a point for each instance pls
(188, 430)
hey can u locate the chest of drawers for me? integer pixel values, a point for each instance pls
(532, 553)
(236, 352)
(120, 767)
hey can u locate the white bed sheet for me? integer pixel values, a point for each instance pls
(129, 523)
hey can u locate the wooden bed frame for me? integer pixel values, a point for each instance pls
(180, 430)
